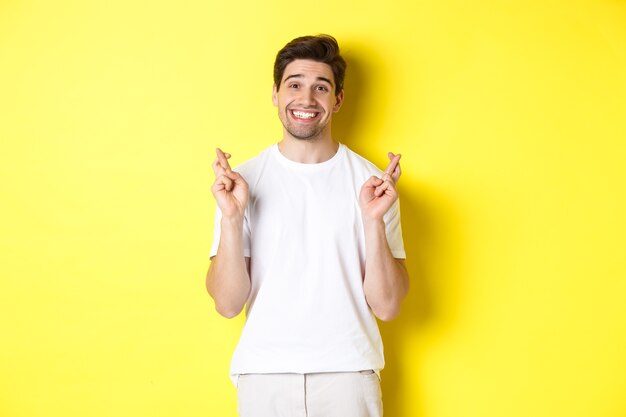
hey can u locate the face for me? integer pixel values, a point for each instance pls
(306, 99)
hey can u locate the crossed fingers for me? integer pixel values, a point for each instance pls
(393, 169)
(220, 164)
(390, 176)
(225, 178)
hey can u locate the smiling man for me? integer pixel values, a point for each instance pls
(304, 111)
(308, 238)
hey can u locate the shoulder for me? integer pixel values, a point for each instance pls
(253, 169)
(255, 164)
(360, 164)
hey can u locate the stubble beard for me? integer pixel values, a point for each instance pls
(302, 132)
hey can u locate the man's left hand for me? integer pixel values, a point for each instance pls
(378, 194)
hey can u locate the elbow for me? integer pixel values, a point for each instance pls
(388, 313)
(228, 311)
(228, 307)
(385, 309)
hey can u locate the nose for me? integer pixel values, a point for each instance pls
(306, 98)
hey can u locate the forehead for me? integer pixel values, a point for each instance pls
(308, 69)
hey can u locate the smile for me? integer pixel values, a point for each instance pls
(303, 114)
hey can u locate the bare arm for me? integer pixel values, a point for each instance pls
(386, 281)
(228, 278)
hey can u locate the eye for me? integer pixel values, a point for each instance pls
(293, 85)
(321, 88)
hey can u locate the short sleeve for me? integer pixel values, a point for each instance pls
(393, 230)
(217, 228)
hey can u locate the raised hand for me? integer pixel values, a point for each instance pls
(378, 194)
(229, 189)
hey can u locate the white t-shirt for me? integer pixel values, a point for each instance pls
(304, 235)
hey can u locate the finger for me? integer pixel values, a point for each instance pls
(217, 167)
(396, 173)
(372, 182)
(393, 163)
(237, 179)
(384, 186)
(222, 158)
(380, 190)
(224, 183)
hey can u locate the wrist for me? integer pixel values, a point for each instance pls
(232, 221)
(370, 223)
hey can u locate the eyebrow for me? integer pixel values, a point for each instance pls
(302, 75)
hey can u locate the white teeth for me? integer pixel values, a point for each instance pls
(303, 115)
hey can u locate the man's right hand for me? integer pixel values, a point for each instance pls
(229, 189)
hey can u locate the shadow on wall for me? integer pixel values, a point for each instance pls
(420, 220)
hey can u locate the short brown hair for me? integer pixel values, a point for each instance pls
(320, 48)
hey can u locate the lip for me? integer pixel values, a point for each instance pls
(307, 120)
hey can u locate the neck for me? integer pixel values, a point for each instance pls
(308, 151)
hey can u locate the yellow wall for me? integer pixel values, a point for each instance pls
(511, 120)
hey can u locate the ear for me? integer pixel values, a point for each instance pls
(275, 96)
(339, 102)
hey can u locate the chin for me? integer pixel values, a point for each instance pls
(306, 138)
(304, 135)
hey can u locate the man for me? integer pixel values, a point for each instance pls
(308, 237)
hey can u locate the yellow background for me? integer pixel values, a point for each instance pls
(511, 120)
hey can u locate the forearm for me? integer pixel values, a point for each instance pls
(228, 281)
(386, 280)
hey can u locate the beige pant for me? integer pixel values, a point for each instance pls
(328, 394)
